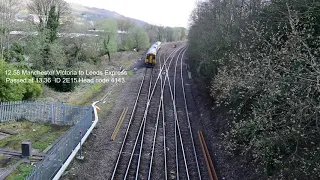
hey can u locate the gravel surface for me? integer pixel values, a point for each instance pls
(99, 151)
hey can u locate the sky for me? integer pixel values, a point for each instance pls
(162, 12)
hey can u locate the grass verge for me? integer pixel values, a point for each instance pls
(7, 161)
(40, 135)
(94, 89)
(20, 173)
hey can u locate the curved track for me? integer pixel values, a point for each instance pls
(158, 142)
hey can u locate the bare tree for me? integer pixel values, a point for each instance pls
(152, 32)
(161, 33)
(168, 34)
(8, 9)
(42, 7)
(140, 37)
(110, 36)
(125, 24)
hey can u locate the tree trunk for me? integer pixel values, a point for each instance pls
(108, 53)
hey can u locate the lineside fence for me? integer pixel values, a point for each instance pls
(44, 112)
(55, 158)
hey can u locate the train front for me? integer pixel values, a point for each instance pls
(150, 60)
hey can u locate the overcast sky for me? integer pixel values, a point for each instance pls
(162, 12)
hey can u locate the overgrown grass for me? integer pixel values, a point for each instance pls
(94, 89)
(130, 73)
(121, 59)
(20, 173)
(40, 135)
(6, 162)
(125, 59)
(108, 106)
(84, 93)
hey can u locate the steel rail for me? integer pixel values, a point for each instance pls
(163, 119)
(143, 129)
(137, 137)
(175, 129)
(188, 118)
(155, 133)
(178, 127)
(166, 172)
(164, 133)
(175, 125)
(205, 157)
(129, 124)
(119, 123)
(208, 160)
(131, 118)
(143, 123)
(146, 110)
(161, 106)
(164, 137)
(164, 141)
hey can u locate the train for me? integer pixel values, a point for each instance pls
(150, 60)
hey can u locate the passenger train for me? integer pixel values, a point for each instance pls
(150, 60)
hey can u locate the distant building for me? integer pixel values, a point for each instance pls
(98, 30)
(20, 17)
(33, 18)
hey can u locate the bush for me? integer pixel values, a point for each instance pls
(63, 86)
(46, 55)
(32, 91)
(273, 95)
(16, 91)
(15, 52)
(268, 77)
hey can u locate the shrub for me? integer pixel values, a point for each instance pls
(268, 77)
(273, 95)
(15, 52)
(16, 91)
(63, 86)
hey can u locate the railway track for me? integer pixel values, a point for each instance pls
(183, 115)
(124, 155)
(158, 142)
(187, 166)
(126, 160)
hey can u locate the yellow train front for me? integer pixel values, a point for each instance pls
(150, 60)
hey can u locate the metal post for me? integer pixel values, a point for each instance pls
(80, 157)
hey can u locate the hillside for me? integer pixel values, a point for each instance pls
(93, 14)
(87, 14)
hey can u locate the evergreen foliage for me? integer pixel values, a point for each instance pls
(52, 24)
